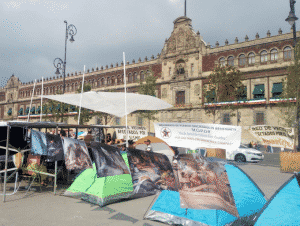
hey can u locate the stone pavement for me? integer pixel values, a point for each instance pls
(46, 209)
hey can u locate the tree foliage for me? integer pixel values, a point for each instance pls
(224, 85)
(289, 104)
(148, 88)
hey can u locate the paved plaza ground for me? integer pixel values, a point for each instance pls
(43, 208)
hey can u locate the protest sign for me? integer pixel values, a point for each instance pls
(274, 136)
(134, 133)
(194, 135)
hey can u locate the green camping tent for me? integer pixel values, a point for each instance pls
(103, 190)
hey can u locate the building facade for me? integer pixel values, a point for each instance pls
(181, 69)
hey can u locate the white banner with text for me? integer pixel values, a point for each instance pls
(134, 133)
(194, 135)
(274, 136)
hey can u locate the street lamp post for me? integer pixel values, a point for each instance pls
(58, 63)
(291, 19)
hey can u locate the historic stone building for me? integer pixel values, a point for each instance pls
(181, 68)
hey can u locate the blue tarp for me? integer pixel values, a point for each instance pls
(248, 199)
(283, 208)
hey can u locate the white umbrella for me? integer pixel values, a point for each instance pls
(112, 102)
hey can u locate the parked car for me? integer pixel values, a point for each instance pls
(244, 153)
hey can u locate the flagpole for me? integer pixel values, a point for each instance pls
(31, 100)
(42, 99)
(125, 100)
(81, 94)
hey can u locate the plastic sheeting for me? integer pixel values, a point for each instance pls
(248, 198)
(283, 208)
(38, 143)
(76, 154)
(151, 172)
(203, 184)
(108, 159)
(112, 102)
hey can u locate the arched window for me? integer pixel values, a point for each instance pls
(93, 83)
(108, 80)
(113, 80)
(251, 58)
(76, 86)
(222, 62)
(129, 78)
(263, 56)
(118, 79)
(142, 76)
(242, 60)
(102, 81)
(99, 82)
(230, 61)
(287, 53)
(72, 87)
(68, 87)
(134, 78)
(274, 54)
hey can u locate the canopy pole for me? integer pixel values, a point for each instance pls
(6, 158)
(55, 178)
(81, 95)
(125, 99)
(31, 100)
(42, 99)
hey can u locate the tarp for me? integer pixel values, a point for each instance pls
(108, 159)
(76, 154)
(103, 190)
(194, 135)
(112, 102)
(55, 150)
(157, 146)
(247, 197)
(283, 207)
(150, 173)
(38, 143)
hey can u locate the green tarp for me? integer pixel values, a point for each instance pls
(103, 190)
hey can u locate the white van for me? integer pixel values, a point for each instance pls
(244, 153)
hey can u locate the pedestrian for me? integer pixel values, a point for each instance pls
(88, 138)
(148, 143)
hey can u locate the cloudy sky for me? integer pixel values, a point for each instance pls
(32, 32)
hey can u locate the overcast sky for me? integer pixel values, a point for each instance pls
(32, 32)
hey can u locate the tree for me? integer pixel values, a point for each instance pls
(289, 104)
(224, 85)
(57, 109)
(148, 88)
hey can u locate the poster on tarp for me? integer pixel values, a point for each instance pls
(76, 154)
(108, 160)
(195, 135)
(134, 132)
(274, 136)
(151, 172)
(203, 184)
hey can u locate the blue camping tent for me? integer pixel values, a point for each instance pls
(283, 208)
(248, 198)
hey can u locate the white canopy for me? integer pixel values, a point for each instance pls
(112, 102)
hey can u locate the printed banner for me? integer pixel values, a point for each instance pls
(150, 173)
(38, 143)
(109, 161)
(195, 135)
(76, 154)
(203, 184)
(274, 136)
(55, 150)
(134, 133)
